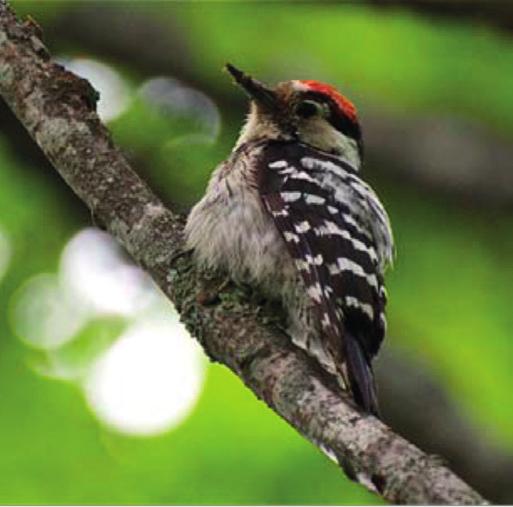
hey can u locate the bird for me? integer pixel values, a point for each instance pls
(289, 214)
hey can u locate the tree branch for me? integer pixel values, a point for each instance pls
(58, 110)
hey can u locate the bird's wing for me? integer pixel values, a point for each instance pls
(336, 254)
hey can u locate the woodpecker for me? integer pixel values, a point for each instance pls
(289, 214)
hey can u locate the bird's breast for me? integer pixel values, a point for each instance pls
(229, 229)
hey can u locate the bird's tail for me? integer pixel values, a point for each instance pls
(360, 376)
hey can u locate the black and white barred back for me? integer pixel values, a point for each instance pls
(339, 236)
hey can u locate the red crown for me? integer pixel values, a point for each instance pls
(345, 105)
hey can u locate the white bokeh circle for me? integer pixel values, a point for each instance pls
(95, 271)
(43, 315)
(114, 93)
(149, 380)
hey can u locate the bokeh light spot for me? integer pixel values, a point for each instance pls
(149, 380)
(95, 270)
(114, 93)
(171, 96)
(43, 315)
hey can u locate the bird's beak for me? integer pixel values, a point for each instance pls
(256, 90)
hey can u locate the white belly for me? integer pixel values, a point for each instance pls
(229, 230)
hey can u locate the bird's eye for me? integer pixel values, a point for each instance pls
(308, 108)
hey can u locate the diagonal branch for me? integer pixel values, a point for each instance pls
(58, 110)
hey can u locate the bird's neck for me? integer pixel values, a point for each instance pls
(260, 127)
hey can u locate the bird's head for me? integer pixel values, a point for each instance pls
(308, 111)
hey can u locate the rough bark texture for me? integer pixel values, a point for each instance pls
(58, 110)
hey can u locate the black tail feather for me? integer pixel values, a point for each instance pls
(361, 378)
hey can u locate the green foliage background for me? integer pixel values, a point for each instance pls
(450, 292)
